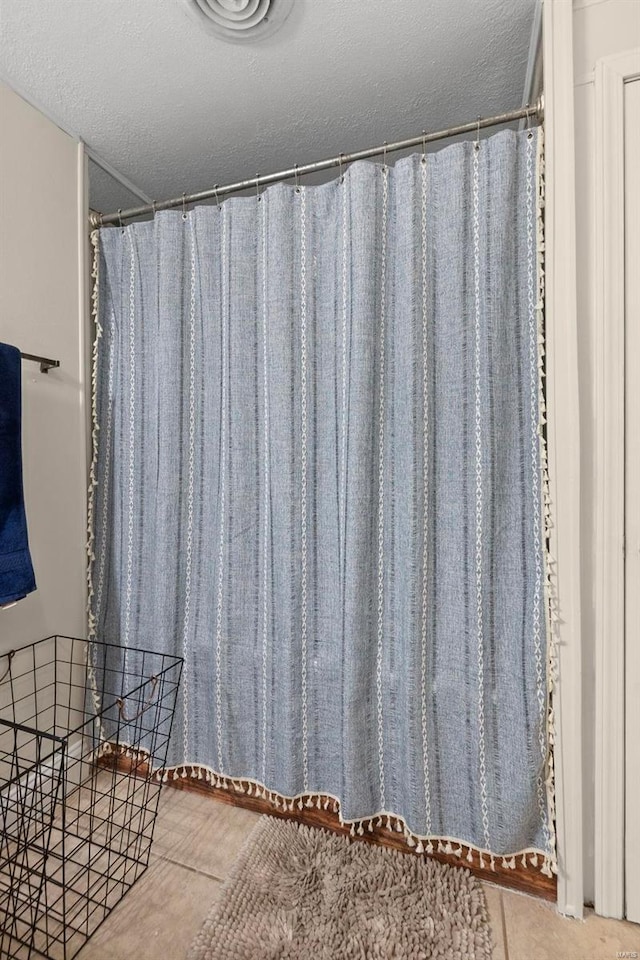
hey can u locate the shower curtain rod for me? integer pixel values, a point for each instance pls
(103, 220)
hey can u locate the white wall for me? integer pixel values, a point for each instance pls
(600, 28)
(43, 236)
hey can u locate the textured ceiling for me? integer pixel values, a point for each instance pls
(174, 109)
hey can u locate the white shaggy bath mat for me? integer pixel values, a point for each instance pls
(300, 893)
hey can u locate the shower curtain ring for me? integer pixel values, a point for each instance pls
(424, 146)
(184, 207)
(215, 193)
(153, 207)
(340, 156)
(476, 145)
(295, 173)
(384, 156)
(530, 131)
(258, 187)
(120, 219)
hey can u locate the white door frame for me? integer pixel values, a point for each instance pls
(563, 435)
(611, 73)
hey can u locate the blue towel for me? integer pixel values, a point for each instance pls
(16, 570)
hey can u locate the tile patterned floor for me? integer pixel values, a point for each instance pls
(196, 842)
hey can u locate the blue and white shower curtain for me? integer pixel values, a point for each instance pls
(319, 477)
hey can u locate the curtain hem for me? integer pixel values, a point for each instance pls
(528, 857)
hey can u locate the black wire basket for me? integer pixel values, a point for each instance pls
(83, 727)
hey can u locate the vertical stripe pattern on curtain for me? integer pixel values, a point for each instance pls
(320, 479)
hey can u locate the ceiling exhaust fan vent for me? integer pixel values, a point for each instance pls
(239, 21)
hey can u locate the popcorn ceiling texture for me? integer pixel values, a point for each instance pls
(175, 109)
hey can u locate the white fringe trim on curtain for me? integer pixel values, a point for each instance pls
(418, 843)
(551, 591)
(93, 479)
